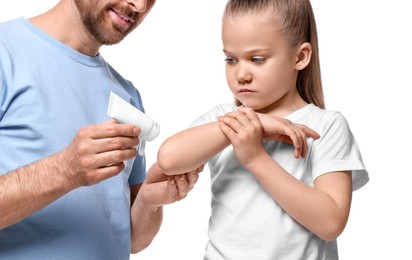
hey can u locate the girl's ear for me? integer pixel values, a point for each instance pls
(304, 53)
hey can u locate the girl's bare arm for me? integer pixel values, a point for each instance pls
(323, 209)
(191, 148)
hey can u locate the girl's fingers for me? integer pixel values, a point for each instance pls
(244, 118)
(298, 138)
(285, 131)
(232, 122)
(228, 131)
(308, 131)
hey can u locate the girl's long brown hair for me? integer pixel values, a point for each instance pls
(297, 22)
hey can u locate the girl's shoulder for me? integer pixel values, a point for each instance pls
(312, 113)
(319, 119)
(214, 113)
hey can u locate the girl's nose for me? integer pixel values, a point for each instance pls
(243, 74)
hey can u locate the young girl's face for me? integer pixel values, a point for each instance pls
(260, 65)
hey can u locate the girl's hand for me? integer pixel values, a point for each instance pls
(283, 130)
(274, 129)
(245, 132)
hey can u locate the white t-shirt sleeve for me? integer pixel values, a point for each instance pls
(337, 150)
(213, 114)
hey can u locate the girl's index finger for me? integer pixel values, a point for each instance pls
(308, 131)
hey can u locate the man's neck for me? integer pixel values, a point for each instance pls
(63, 23)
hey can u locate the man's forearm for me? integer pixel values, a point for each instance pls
(146, 222)
(28, 189)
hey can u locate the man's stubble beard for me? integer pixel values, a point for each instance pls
(98, 25)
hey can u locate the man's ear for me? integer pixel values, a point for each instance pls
(303, 56)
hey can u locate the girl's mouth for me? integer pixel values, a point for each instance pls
(244, 90)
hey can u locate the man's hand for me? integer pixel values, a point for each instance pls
(160, 189)
(98, 152)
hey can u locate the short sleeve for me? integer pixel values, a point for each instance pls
(213, 114)
(337, 150)
(2, 95)
(3, 90)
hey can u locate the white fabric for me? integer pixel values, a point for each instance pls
(246, 223)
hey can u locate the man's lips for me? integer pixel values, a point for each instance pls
(121, 18)
(124, 16)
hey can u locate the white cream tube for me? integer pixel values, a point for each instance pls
(124, 113)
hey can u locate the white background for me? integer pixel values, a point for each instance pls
(174, 58)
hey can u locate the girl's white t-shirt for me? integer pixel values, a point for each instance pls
(246, 223)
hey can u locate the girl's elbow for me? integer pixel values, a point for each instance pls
(332, 231)
(165, 162)
(329, 236)
(164, 166)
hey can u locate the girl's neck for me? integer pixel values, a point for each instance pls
(284, 106)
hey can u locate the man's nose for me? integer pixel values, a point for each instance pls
(140, 5)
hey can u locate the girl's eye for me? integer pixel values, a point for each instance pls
(230, 61)
(258, 60)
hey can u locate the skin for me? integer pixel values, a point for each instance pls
(98, 151)
(261, 72)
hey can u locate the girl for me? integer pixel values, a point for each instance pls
(266, 203)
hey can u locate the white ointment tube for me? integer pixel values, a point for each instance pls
(125, 113)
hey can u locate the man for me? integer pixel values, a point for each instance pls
(71, 184)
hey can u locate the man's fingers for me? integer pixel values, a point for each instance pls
(182, 186)
(193, 177)
(186, 182)
(110, 129)
(107, 158)
(172, 191)
(107, 172)
(114, 143)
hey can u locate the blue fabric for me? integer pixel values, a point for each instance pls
(49, 91)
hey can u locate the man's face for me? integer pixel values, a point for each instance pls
(109, 21)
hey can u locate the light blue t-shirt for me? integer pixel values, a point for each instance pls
(49, 91)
